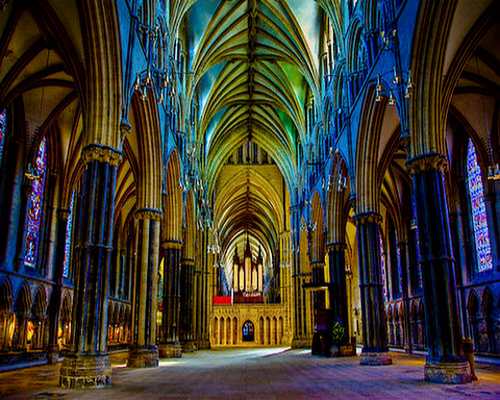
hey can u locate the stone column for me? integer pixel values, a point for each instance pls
(88, 365)
(143, 353)
(297, 280)
(404, 257)
(318, 272)
(187, 294)
(338, 289)
(298, 334)
(11, 201)
(170, 346)
(444, 363)
(55, 298)
(492, 203)
(375, 351)
(460, 256)
(206, 295)
(196, 304)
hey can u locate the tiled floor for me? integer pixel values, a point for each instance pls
(257, 374)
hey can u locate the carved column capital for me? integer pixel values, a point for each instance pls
(125, 128)
(368, 217)
(336, 246)
(100, 153)
(317, 264)
(188, 262)
(427, 162)
(171, 244)
(63, 213)
(148, 213)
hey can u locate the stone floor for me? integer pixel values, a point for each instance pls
(256, 374)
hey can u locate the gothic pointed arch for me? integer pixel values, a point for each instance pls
(367, 195)
(318, 235)
(172, 201)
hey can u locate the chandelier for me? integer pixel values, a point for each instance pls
(395, 84)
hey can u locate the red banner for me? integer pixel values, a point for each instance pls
(221, 300)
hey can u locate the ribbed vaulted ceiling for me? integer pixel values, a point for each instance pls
(252, 69)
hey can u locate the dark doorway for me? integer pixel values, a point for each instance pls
(248, 332)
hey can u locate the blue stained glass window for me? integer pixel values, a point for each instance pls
(69, 238)
(35, 204)
(478, 209)
(382, 266)
(3, 131)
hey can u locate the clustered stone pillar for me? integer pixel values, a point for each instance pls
(444, 363)
(88, 365)
(170, 346)
(144, 353)
(338, 291)
(206, 300)
(375, 350)
(187, 293)
(55, 298)
(11, 202)
(298, 302)
(298, 317)
(404, 252)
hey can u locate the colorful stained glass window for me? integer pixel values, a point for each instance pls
(3, 131)
(69, 237)
(478, 210)
(382, 266)
(37, 175)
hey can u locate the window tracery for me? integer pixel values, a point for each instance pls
(3, 131)
(69, 237)
(35, 204)
(478, 211)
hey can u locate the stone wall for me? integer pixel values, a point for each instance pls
(270, 321)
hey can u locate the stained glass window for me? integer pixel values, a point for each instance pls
(3, 131)
(382, 266)
(34, 206)
(478, 210)
(67, 243)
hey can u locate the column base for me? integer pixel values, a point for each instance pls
(85, 371)
(300, 343)
(375, 358)
(53, 355)
(170, 350)
(447, 372)
(189, 346)
(143, 357)
(347, 350)
(203, 345)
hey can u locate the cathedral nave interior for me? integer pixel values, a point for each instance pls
(186, 179)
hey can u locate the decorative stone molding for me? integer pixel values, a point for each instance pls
(148, 213)
(102, 154)
(368, 217)
(427, 162)
(279, 334)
